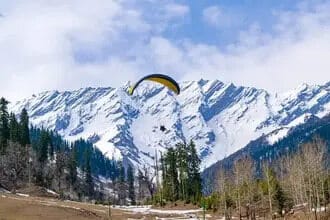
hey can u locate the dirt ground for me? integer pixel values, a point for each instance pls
(21, 207)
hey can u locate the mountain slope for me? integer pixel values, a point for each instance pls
(221, 118)
(264, 148)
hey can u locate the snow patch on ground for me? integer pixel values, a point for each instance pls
(148, 209)
(52, 192)
(319, 209)
(22, 195)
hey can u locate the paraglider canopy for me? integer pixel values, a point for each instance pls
(159, 78)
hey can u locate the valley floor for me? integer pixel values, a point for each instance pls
(24, 207)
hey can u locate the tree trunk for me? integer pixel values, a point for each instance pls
(269, 196)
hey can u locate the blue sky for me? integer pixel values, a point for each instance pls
(64, 45)
(242, 14)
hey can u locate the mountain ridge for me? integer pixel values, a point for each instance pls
(221, 118)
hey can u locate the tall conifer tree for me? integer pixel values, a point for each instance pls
(24, 128)
(88, 173)
(194, 173)
(122, 184)
(172, 175)
(4, 125)
(14, 128)
(130, 181)
(72, 165)
(43, 146)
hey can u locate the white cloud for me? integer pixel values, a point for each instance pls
(39, 41)
(298, 51)
(68, 45)
(176, 10)
(218, 17)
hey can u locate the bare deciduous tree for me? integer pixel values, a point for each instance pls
(13, 166)
(243, 180)
(60, 164)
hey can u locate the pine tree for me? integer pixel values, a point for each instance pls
(4, 125)
(181, 173)
(72, 166)
(14, 128)
(130, 180)
(51, 148)
(88, 174)
(43, 146)
(165, 181)
(122, 185)
(279, 198)
(182, 157)
(24, 128)
(172, 187)
(194, 173)
(59, 168)
(121, 172)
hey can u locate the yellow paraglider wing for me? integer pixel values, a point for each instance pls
(130, 90)
(159, 78)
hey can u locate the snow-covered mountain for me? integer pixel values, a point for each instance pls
(220, 118)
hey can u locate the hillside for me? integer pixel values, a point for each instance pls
(264, 149)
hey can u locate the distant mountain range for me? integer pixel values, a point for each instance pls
(221, 118)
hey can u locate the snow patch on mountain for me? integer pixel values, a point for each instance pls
(277, 135)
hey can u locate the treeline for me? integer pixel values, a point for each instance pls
(31, 156)
(296, 181)
(180, 175)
